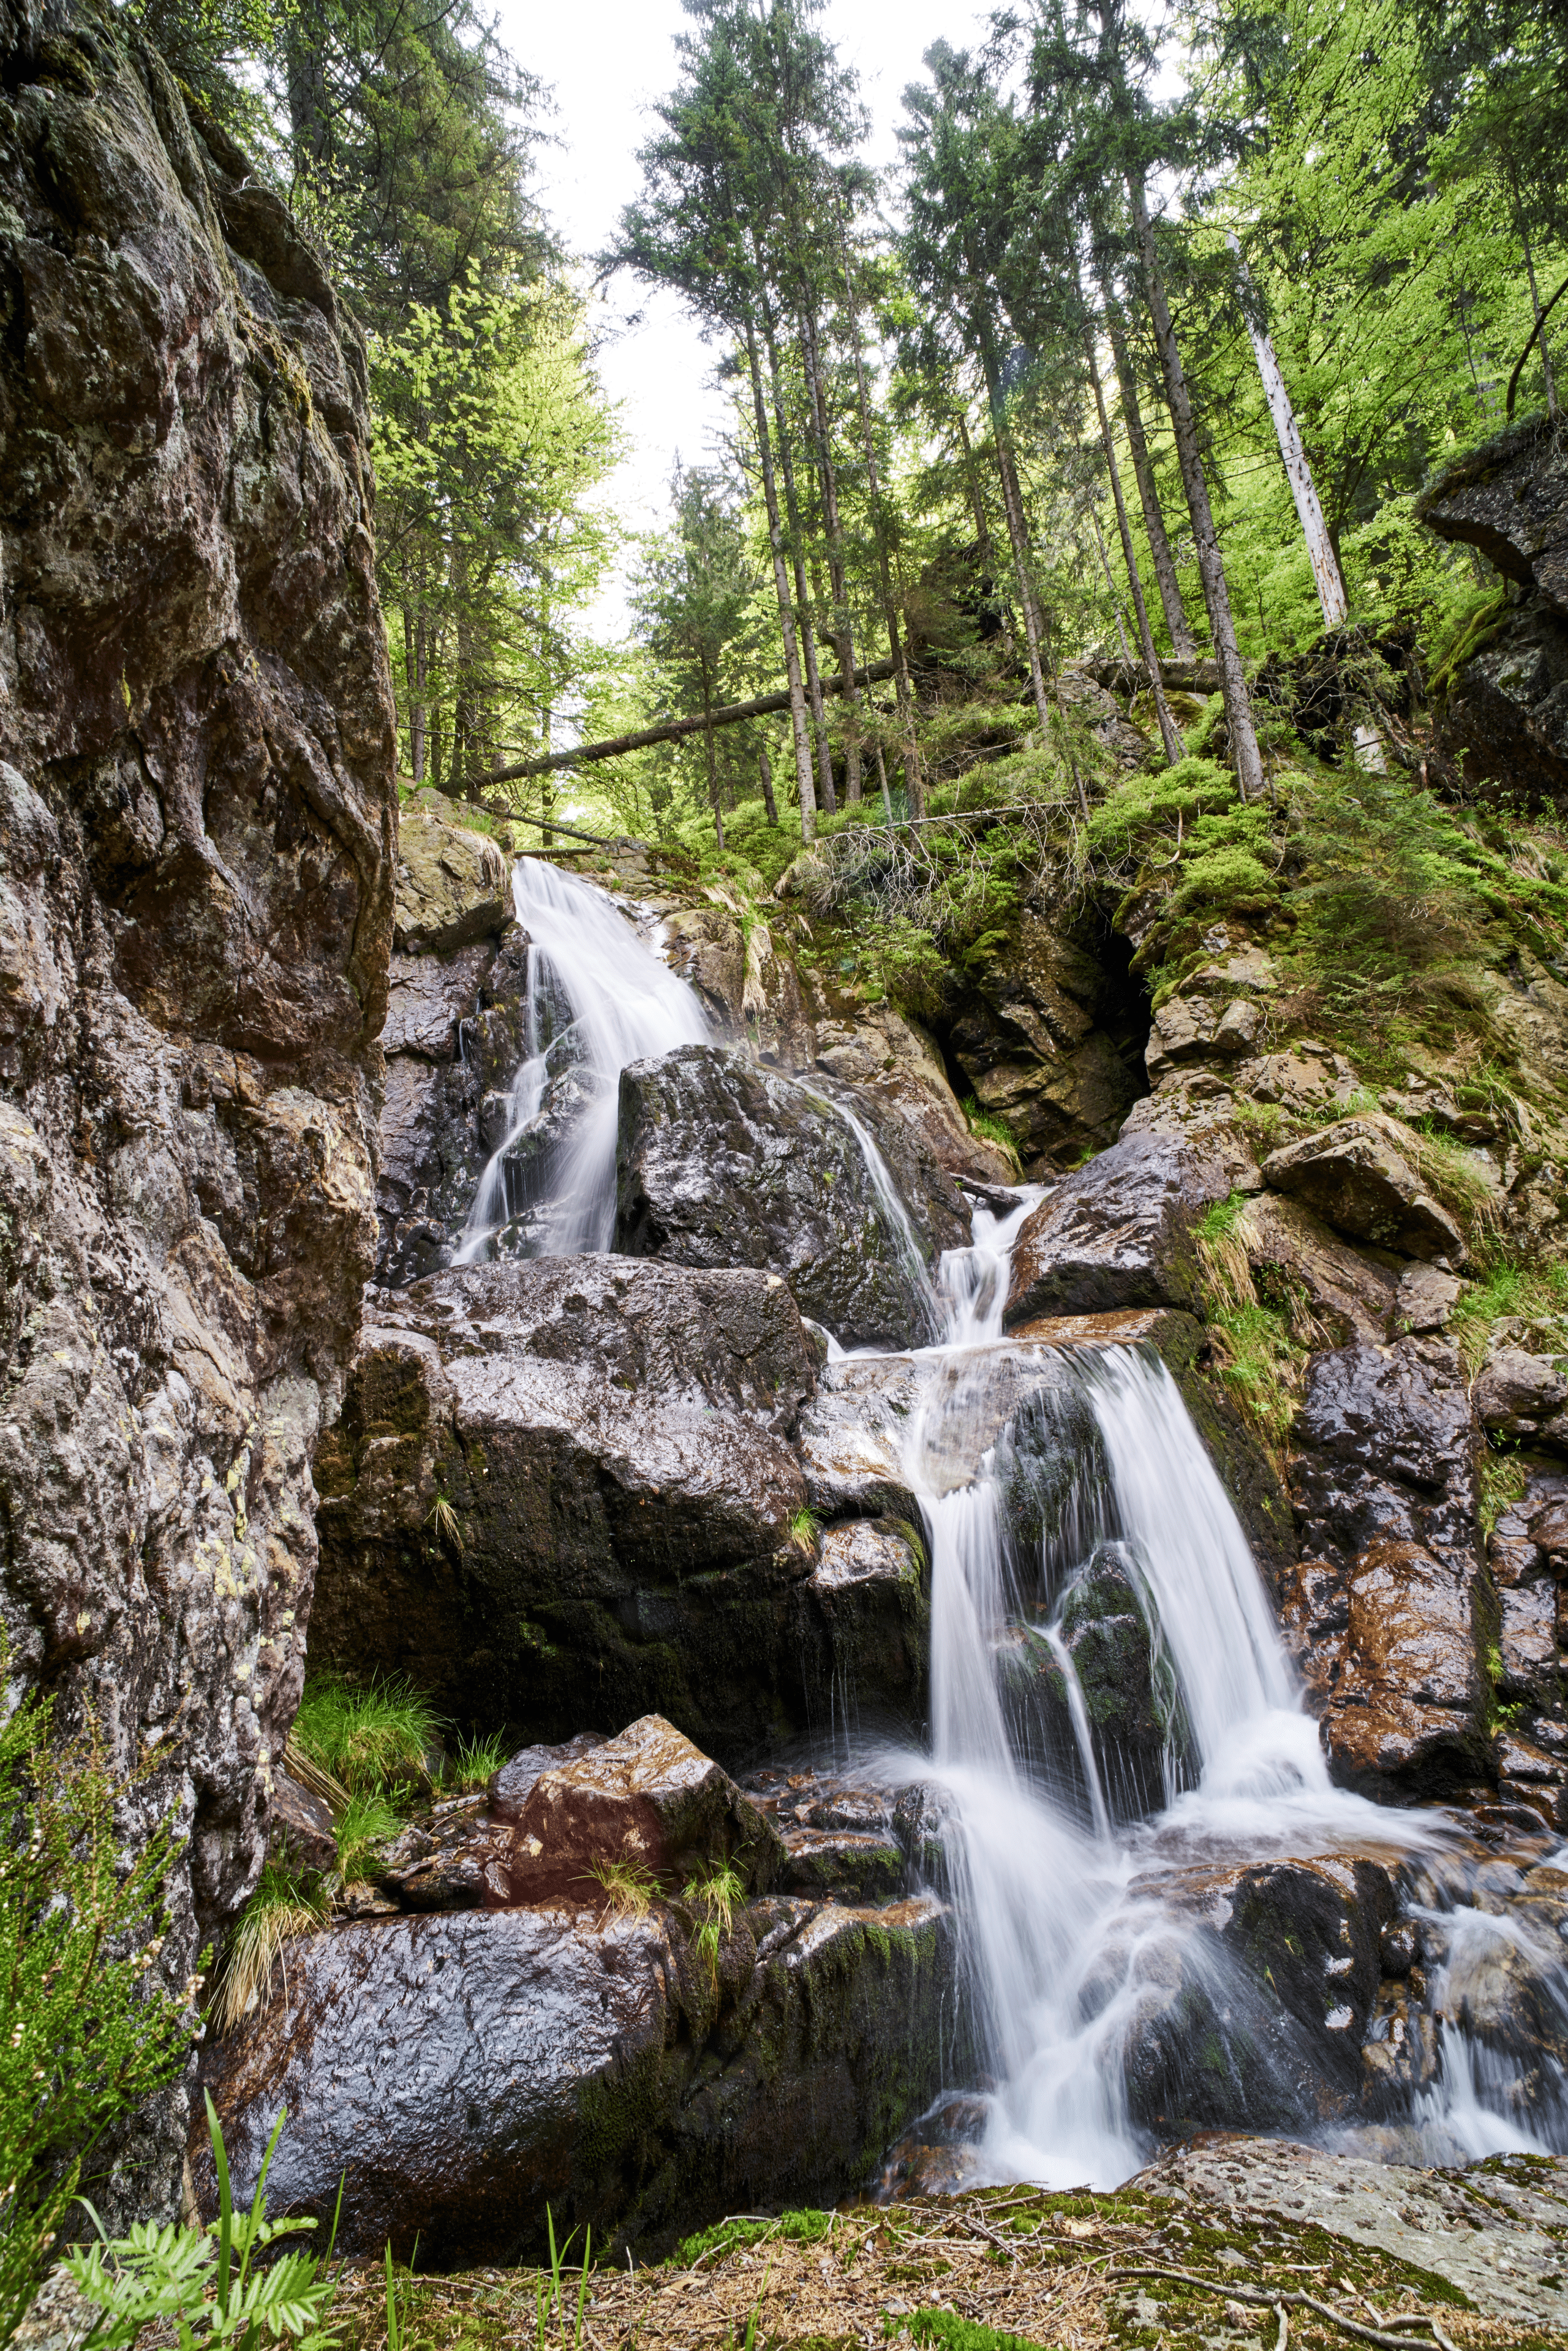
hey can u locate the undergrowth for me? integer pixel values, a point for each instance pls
(994, 1129)
(806, 2227)
(475, 1764)
(367, 1827)
(284, 1904)
(1534, 1299)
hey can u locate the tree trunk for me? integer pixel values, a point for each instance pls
(1112, 590)
(1534, 294)
(1168, 735)
(903, 690)
(712, 760)
(782, 589)
(843, 632)
(802, 602)
(1018, 534)
(1183, 643)
(882, 783)
(413, 651)
(765, 769)
(1210, 565)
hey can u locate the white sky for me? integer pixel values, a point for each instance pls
(606, 64)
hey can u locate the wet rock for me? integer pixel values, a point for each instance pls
(883, 1051)
(870, 1588)
(1354, 1176)
(1049, 1042)
(1255, 2017)
(1293, 1254)
(724, 1163)
(197, 839)
(1527, 1554)
(706, 946)
(304, 1835)
(923, 1821)
(514, 1783)
(648, 1798)
(1388, 1607)
(1129, 1690)
(851, 1865)
(1116, 1234)
(1192, 1027)
(599, 2066)
(563, 1491)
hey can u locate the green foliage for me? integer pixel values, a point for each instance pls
(805, 1530)
(366, 1737)
(475, 1764)
(87, 2029)
(206, 2284)
(368, 1826)
(630, 1888)
(951, 2333)
(992, 1126)
(1501, 1482)
(1531, 1299)
(804, 2228)
(285, 1903)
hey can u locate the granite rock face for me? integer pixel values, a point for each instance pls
(197, 836)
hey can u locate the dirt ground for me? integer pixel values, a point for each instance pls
(980, 2271)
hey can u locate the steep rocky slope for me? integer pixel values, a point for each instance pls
(197, 832)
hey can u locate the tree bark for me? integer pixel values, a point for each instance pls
(795, 698)
(1018, 533)
(843, 632)
(903, 690)
(765, 769)
(1539, 314)
(1292, 453)
(1168, 735)
(675, 730)
(1210, 564)
(712, 761)
(802, 602)
(1183, 643)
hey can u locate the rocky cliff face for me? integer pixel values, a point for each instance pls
(197, 830)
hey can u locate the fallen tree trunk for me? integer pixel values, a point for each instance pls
(672, 730)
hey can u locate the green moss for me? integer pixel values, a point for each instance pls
(804, 2228)
(955, 2334)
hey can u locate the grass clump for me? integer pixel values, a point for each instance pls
(996, 1129)
(805, 1531)
(284, 1904)
(718, 1893)
(1533, 1298)
(629, 1889)
(366, 1829)
(955, 2334)
(1500, 1483)
(369, 1737)
(806, 2227)
(475, 1764)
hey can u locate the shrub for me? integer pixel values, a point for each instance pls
(87, 2032)
(207, 2280)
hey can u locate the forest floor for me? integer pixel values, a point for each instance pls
(986, 2270)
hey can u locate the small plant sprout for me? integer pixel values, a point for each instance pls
(477, 1761)
(282, 1906)
(805, 1530)
(554, 2299)
(443, 1519)
(717, 1892)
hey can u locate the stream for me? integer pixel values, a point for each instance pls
(1075, 1882)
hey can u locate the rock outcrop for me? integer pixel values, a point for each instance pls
(197, 832)
(721, 1162)
(1118, 1234)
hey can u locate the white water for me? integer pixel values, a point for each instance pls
(1071, 1935)
(625, 1006)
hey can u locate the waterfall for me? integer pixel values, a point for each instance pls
(1075, 1933)
(623, 1005)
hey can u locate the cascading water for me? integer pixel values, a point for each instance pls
(622, 1005)
(1076, 1927)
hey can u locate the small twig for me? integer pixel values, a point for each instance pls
(1284, 2327)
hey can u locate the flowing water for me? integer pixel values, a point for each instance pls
(1071, 1870)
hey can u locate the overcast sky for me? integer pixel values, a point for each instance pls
(605, 64)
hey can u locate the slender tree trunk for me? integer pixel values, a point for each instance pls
(972, 481)
(843, 631)
(903, 690)
(1174, 745)
(765, 769)
(882, 785)
(413, 626)
(1112, 590)
(798, 726)
(1210, 564)
(1183, 643)
(712, 760)
(802, 602)
(1534, 293)
(1018, 533)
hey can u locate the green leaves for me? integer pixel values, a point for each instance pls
(206, 2280)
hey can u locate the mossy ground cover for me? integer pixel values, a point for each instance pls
(980, 2271)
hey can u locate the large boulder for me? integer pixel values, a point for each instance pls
(1389, 1607)
(1503, 712)
(198, 834)
(468, 2072)
(1118, 1233)
(563, 1492)
(1356, 1176)
(724, 1163)
(454, 885)
(1527, 1553)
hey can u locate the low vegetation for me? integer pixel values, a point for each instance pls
(367, 1737)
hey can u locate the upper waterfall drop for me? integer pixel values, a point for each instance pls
(598, 999)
